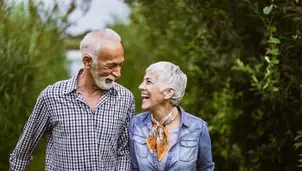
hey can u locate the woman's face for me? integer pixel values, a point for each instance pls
(150, 91)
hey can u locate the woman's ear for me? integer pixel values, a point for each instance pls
(169, 93)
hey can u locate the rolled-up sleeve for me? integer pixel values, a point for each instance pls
(31, 135)
(205, 162)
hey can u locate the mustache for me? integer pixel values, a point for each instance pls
(111, 77)
(102, 79)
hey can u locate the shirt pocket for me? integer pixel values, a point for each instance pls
(188, 150)
(140, 146)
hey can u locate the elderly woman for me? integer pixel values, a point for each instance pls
(165, 137)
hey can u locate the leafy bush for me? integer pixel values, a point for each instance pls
(32, 57)
(226, 48)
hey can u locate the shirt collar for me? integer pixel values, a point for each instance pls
(184, 118)
(72, 84)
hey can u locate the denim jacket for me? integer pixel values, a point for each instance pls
(191, 152)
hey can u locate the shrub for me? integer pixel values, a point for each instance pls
(32, 57)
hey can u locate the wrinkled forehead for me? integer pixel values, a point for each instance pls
(109, 44)
(112, 52)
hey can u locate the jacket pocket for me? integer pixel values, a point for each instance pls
(188, 150)
(140, 146)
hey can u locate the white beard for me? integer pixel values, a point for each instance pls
(101, 81)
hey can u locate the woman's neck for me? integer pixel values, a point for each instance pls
(161, 112)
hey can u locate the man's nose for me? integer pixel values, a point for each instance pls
(117, 71)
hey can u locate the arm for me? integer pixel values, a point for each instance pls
(134, 163)
(123, 145)
(205, 162)
(31, 135)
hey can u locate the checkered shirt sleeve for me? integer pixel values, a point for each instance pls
(32, 133)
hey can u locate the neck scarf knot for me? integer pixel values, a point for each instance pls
(158, 136)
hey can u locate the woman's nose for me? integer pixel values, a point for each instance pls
(141, 86)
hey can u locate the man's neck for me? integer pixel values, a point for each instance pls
(86, 84)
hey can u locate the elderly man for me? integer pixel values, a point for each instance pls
(86, 116)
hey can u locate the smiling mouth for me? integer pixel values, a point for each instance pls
(109, 81)
(145, 98)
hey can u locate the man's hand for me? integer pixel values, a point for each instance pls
(10, 169)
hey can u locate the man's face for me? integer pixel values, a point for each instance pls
(108, 65)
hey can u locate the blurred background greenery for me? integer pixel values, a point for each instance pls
(242, 58)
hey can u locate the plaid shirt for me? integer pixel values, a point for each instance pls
(79, 139)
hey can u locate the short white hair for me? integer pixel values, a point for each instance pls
(91, 43)
(170, 76)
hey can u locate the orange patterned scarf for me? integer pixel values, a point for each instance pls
(158, 136)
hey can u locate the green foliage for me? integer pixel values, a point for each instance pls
(242, 61)
(268, 80)
(32, 57)
(298, 145)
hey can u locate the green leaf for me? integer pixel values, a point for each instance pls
(267, 59)
(272, 28)
(6, 96)
(239, 63)
(267, 73)
(275, 52)
(295, 37)
(268, 9)
(266, 85)
(255, 79)
(274, 40)
(275, 61)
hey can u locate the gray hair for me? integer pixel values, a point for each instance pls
(91, 43)
(170, 77)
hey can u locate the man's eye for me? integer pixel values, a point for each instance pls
(110, 66)
(149, 82)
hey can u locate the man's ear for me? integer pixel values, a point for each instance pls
(87, 61)
(169, 93)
